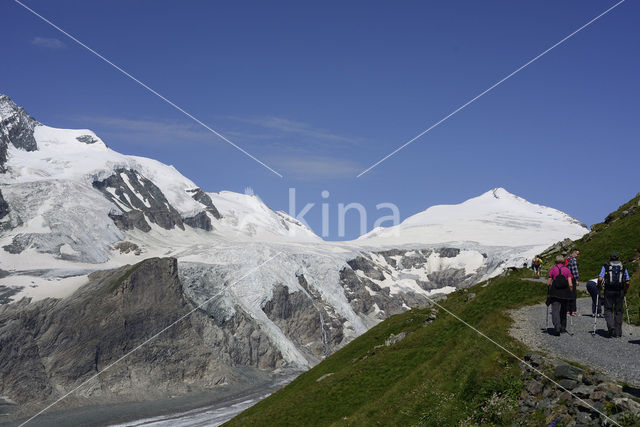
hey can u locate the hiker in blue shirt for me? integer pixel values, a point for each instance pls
(616, 283)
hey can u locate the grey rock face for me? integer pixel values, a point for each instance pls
(87, 139)
(54, 345)
(448, 252)
(125, 247)
(362, 294)
(367, 267)
(141, 200)
(130, 220)
(199, 220)
(142, 196)
(200, 196)
(4, 206)
(331, 323)
(448, 277)
(298, 318)
(16, 127)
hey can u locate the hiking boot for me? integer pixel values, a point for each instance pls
(555, 333)
(611, 333)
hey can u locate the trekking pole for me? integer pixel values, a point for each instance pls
(628, 318)
(546, 326)
(595, 315)
(571, 322)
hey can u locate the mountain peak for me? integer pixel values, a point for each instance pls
(9, 109)
(495, 218)
(16, 128)
(499, 193)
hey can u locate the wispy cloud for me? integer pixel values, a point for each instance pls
(48, 43)
(283, 126)
(284, 140)
(314, 167)
(148, 131)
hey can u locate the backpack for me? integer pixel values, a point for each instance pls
(536, 262)
(614, 275)
(560, 282)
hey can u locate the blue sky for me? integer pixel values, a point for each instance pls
(322, 90)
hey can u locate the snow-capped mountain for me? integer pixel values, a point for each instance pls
(246, 216)
(69, 206)
(495, 218)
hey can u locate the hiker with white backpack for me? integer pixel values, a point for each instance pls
(615, 280)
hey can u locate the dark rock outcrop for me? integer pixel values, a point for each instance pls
(199, 220)
(130, 220)
(141, 200)
(200, 196)
(448, 252)
(126, 247)
(128, 188)
(449, 277)
(4, 206)
(16, 128)
(363, 295)
(332, 324)
(87, 139)
(298, 318)
(52, 345)
(367, 266)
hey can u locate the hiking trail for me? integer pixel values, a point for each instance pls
(616, 357)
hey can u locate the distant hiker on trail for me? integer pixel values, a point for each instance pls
(616, 283)
(535, 265)
(561, 288)
(596, 297)
(572, 264)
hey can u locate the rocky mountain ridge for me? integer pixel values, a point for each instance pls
(16, 128)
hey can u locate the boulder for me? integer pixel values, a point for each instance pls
(583, 418)
(568, 384)
(534, 387)
(568, 372)
(626, 404)
(609, 387)
(583, 391)
(393, 339)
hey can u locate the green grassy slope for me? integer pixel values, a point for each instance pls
(439, 374)
(619, 232)
(443, 373)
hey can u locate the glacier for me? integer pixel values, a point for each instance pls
(72, 201)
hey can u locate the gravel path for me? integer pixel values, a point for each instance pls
(616, 357)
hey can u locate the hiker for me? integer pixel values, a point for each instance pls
(535, 265)
(561, 287)
(616, 283)
(596, 297)
(572, 264)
